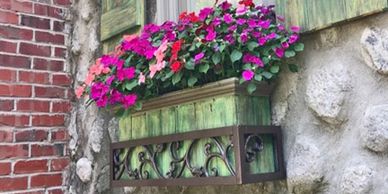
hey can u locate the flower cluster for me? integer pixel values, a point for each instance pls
(246, 41)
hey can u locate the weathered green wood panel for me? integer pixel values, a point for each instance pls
(125, 132)
(317, 14)
(253, 110)
(120, 17)
(265, 160)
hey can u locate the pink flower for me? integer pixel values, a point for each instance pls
(159, 53)
(279, 52)
(156, 68)
(248, 75)
(199, 56)
(228, 18)
(96, 69)
(295, 29)
(89, 79)
(271, 36)
(293, 38)
(241, 9)
(128, 38)
(141, 78)
(129, 100)
(79, 91)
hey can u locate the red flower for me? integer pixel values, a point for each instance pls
(176, 47)
(248, 3)
(184, 16)
(176, 66)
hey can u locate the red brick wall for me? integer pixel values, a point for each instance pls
(34, 96)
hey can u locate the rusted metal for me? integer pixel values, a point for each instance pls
(245, 143)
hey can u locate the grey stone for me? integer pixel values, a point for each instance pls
(356, 180)
(375, 49)
(96, 135)
(304, 168)
(84, 169)
(375, 132)
(326, 92)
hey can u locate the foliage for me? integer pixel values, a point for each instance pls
(248, 41)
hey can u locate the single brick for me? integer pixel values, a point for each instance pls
(15, 33)
(59, 164)
(34, 77)
(8, 17)
(13, 151)
(5, 168)
(61, 80)
(15, 90)
(30, 135)
(35, 22)
(32, 49)
(15, 61)
(46, 180)
(49, 38)
(31, 166)
(49, 65)
(16, 5)
(6, 105)
(15, 183)
(7, 75)
(14, 120)
(48, 120)
(6, 135)
(33, 106)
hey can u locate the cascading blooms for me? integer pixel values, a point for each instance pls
(223, 41)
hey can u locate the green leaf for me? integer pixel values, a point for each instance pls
(274, 69)
(235, 56)
(192, 80)
(267, 75)
(289, 54)
(265, 60)
(242, 80)
(258, 78)
(168, 75)
(138, 106)
(222, 47)
(252, 45)
(190, 65)
(120, 112)
(130, 85)
(176, 78)
(216, 58)
(293, 68)
(299, 47)
(204, 68)
(251, 88)
(247, 66)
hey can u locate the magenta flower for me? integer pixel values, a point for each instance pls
(244, 37)
(232, 28)
(293, 38)
(216, 21)
(264, 23)
(271, 36)
(98, 90)
(256, 34)
(230, 38)
(249, 58)
(253, 23)
(241, 21)
(129, 100)
(205, 12)
(199, 56)
(126, 73)
(262, 40)
(285, 45)
(228, 18)
(211, 34)
(281, 27)
(108, 60)
(115, 97)
(110, 80)
(225, 5)
(295, 29)
(102, 102)
(248, 75)
(279, 52)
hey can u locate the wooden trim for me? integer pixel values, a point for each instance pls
(225, 87)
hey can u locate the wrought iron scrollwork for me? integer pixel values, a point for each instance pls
(253, 145)
(151, 154)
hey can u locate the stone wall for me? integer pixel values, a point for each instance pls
(334, 114)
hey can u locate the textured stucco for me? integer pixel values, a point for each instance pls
(335, 139)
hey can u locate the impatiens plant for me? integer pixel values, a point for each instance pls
(248, 42)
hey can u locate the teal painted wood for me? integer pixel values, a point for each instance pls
(317, 14)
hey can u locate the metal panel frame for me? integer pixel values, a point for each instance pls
(242, 172)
